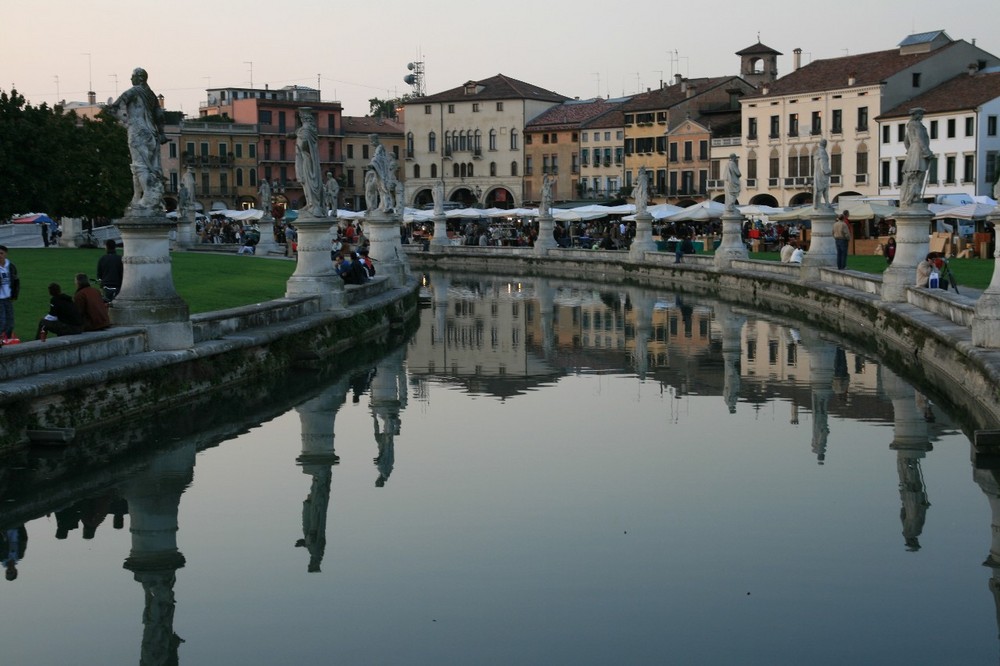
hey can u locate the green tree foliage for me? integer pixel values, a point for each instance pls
(57, 163)
(386, 108)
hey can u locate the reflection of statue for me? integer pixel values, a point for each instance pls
(641, 191)
(437, 192)
(265, 196)
(371, 190)
(918, 155)
(400, 196)
(183, 200)
(307, 164)
(548, 180)
(331, 192)
(187, 181)
(821, 175)
(139, 108)
(732, 183)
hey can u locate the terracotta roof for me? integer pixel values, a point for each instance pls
(614, 118)
(668, 96)
(571, 115)
(496, 87)
(758, 49)
(833, 73)
(964, 92)
(370, 125)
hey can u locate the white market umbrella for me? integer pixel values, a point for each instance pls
(701, 212)
(973, 211)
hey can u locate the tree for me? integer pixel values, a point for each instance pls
(386, 108)
(56, 163)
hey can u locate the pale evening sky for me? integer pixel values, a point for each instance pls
(359, 50)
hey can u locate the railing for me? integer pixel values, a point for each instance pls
(773, 182)
(716, 184)
(798, 181)
(728, 141)
(860, 178)
(751, 182)
(836, 179)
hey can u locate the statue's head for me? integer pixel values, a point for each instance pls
(917, 113)
(139, 75)
(822, 143)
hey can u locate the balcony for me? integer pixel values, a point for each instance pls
(716, 184)
(409, 154)
(728, 141)
(798, 182)
(773, 182)
(477, 154)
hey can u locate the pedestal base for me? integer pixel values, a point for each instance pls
(385, 249)
(912, 224)
(546, 240)
(643, 241)
(732, 247)
(314, 273)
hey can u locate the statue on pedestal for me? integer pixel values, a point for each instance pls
(821, 175)
(139, 109)
(331, 193)
(307, 162)
(733, 176)
(265, 197)
(918, 156)
(641, 191)
(545, 206)
(437, 193)
(371, 190)
(384, 169)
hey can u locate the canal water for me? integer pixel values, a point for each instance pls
(544, 472)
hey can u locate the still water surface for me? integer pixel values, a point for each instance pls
(516, 484)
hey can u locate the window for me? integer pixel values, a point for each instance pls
(451, 108)
(238, 148)
(837, 122)
(513, 168)
(475, 107)
(239, 178)
(775, 127)
(555, 138)
(991, 126)
(584, 137)
(267, 150)
(513, 139)
(499, 106)
(949, 170)
(432, 142)
(862, 163)
(751, 168)
(204, 149)
(619, 135)
(816, 125)
(884, 179)
(970, 126)
(886, 133)
(253, 176)
(585, 156)
(629, 119)
(751, 128)
(528, 166)
(607, 136)
(688, 151)
(493, 139)
(774, 166)
(416, 171)
(992, 166)
(173, 149)
(493, 169)
(434, 171)
(673, 151)
(629, 146)
(409, 144)
(364, 152)
(934, 129)
(901, 132)
(252, 151)
(703, 150)
(350, 177)
(427, 109)
(969, 169)
(932, 171)
(916, 79)
(862, 120)
(264, 117)
(350, 150)
(951, 128)
(528, 139)
(793, 124)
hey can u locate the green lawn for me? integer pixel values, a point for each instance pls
(205, 281)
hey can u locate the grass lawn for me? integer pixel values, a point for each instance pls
(205, 281)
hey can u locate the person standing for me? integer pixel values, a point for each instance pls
(44, 226)
(10, 288)
(110, 269)
(842, 238)
(91, 305)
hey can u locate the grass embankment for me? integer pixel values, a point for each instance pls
(206, 282)
(210, 282)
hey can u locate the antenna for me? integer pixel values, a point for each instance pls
(56, 77)
(90, 73)
(115, 77)
(598, 76)
(250, 62)
(416, 79)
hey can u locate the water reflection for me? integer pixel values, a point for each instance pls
(710, 363)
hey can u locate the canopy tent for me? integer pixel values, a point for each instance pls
(973, 211)
(173, 215)
(32, 218)
(658, 212)
(248, 214)
(700, 212)
(791, 214)
(866, 210)
(759, 209)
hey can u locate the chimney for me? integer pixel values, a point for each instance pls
(677, 79)
(161, 100)
(973, 68)
(91, 98)
(765, 89)
(852, 78)
(796, 59)
(684, 85)
(691, 88)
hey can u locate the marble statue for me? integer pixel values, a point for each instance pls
(732, 183)
(307, 163)
(331, 192)
(139, 109)
(437, 192)
(640, 192)
(821, 175)
(400, 196)
(265, 196)
(918, 156)
(382, 167)
(545, 205)
(183, 200)
(371, 190)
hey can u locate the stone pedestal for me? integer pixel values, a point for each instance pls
(642, 309)
(186, 238)
(986, 325)
(732, 349)
(912, 229)
(385, 249)
(267, 244)
(546, 240)
(732, 246)
(643, 241)
(148, 297)
(440, 238)
(314, 273)
(822, 248)
(72, 228)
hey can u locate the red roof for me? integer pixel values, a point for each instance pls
(964, 92)
(499, 87)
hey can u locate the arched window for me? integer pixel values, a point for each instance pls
(434, 171)
(253, 177)
(469, 170)
(239, 178)
(432, 142)
(493, 168)
(493, 139)
(462, 144)
(464, 171)
(416, 171)
(513, 139)
(409, 144)
(513, 168)
(447, 141)
(455, 170)
(793, 162)
(478, 146)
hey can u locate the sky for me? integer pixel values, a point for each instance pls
(353, 51)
